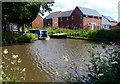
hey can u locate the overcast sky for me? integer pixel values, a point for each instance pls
(104, 7)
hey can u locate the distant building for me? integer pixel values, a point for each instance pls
(52, 19)
(111, 20)
(105, 23)
(38, 22)
(91, 18)
(11, 27)
(108, 22)
(119, 11)
(80, 17)
(65, 19)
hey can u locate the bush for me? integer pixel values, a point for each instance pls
(106, 34)
(118, 24)
(105, 66)
(10, 38)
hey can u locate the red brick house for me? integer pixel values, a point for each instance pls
(52, 19)
(65, 19)
(80, 17)
(38, 22)
(91, 18)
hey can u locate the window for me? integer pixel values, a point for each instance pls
(98, 18)
(67, 25)
(80, 16)
(80, 25)
(61, 19)
(67, 18)
(87, 17)
(93, 18)
(50, 21)
(72, 17)
(98, 27)
(86, 25)
(38, 22)
(72, 25)
(60, 25)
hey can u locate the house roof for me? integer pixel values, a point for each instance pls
(105, 21)
(66, 13)
(89, 12)
(110, 18)
(51, 15)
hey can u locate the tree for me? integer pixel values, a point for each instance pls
(23, 12)
(118, 24)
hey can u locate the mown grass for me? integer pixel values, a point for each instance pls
(8, 38)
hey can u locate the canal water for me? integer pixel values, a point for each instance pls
(44, 60)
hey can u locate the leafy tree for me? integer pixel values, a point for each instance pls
(23, 12)
(118, 24)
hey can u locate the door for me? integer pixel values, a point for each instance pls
(92, 26)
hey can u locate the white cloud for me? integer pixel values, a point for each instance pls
(109, 7)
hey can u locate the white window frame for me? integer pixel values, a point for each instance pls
(67, 18)
(80, 25)
(86, 17)
(92, 17)
(80, 16)
(60, 18)
(98, 18)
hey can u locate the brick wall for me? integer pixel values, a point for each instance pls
(73, 22)
(38, 22)
(77, 19)
(113, 23)
(55, 20)
(64, 22)
(52, 22)
(90, 19)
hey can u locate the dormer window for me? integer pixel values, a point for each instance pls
(98, 18)
(92, 17)
(87, 17)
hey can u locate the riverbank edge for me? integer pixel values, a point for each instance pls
(85, 38)
(95, 39)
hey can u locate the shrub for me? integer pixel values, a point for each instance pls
(118, 24)
(105, 66)
(10, 38)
